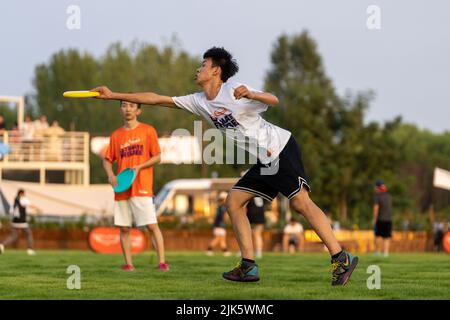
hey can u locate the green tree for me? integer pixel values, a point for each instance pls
(342, 155)
(139, 67)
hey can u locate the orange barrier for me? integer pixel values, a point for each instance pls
(447, 242)
(179, 240)
(107, 240)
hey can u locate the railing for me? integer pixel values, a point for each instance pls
(46, 147)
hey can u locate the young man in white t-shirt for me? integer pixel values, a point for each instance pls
(235, 109)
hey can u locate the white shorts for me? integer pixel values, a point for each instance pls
(20, 225)
(219, 232)
(139, 209)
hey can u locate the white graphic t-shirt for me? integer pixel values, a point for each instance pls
(240, 120)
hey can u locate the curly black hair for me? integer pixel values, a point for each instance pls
(223, 59)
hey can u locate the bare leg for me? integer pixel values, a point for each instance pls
(292, 249)
(235, 203)
(386, 243)
(378, 245)
(285, 243)
(301, 242)
(13, 237)
(125, 242)
(213, 243)
(302, 204)
(223, 243)
(158, 241)
(29, 238)
(258, 240)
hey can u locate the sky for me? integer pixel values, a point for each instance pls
(405, 62)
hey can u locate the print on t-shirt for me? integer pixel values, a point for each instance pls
(223, 119)
(132, 148)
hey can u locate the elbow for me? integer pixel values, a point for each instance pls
(274, 100)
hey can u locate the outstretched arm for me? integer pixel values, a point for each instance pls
(138, 97)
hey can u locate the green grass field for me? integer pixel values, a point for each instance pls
(196, 276)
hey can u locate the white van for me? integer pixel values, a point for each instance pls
(191, 196)
(196, 198)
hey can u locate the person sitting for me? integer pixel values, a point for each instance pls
(293, 236)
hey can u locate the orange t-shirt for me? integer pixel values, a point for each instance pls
(131, 147)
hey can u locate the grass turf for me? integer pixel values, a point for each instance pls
(196, 276)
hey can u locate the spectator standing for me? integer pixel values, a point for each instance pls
(382, 218)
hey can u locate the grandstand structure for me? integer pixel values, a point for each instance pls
(66, 152)
(53, 168)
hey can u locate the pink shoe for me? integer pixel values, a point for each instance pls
(163, 266)
(127, 267)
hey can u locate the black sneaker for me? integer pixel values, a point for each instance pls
(342, 268)
(243, 274)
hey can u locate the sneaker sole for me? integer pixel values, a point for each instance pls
(350, 270)
(249, 279)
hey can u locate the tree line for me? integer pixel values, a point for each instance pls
(343, 154)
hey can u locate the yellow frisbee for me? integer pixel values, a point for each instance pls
(81, 94)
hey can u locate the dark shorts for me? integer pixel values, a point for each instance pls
(383, 229)
(293, 241)
(256, 218)
(288, 177)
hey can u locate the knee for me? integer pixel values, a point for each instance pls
(232, 204)
(301, 204)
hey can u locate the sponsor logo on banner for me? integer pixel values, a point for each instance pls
(107, 240)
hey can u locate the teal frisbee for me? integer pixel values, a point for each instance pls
(125, 180)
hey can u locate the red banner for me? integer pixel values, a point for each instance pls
(446, 242)
(107, 240)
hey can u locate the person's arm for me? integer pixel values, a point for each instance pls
(112, 179)
(149, 98)
(36, 209)
(263, 97)
(376, 208)
(25, 202)
(301, 241)
(150, 162)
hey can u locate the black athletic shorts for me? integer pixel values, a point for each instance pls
(256, 217)
(286, 175)
(383, 229)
